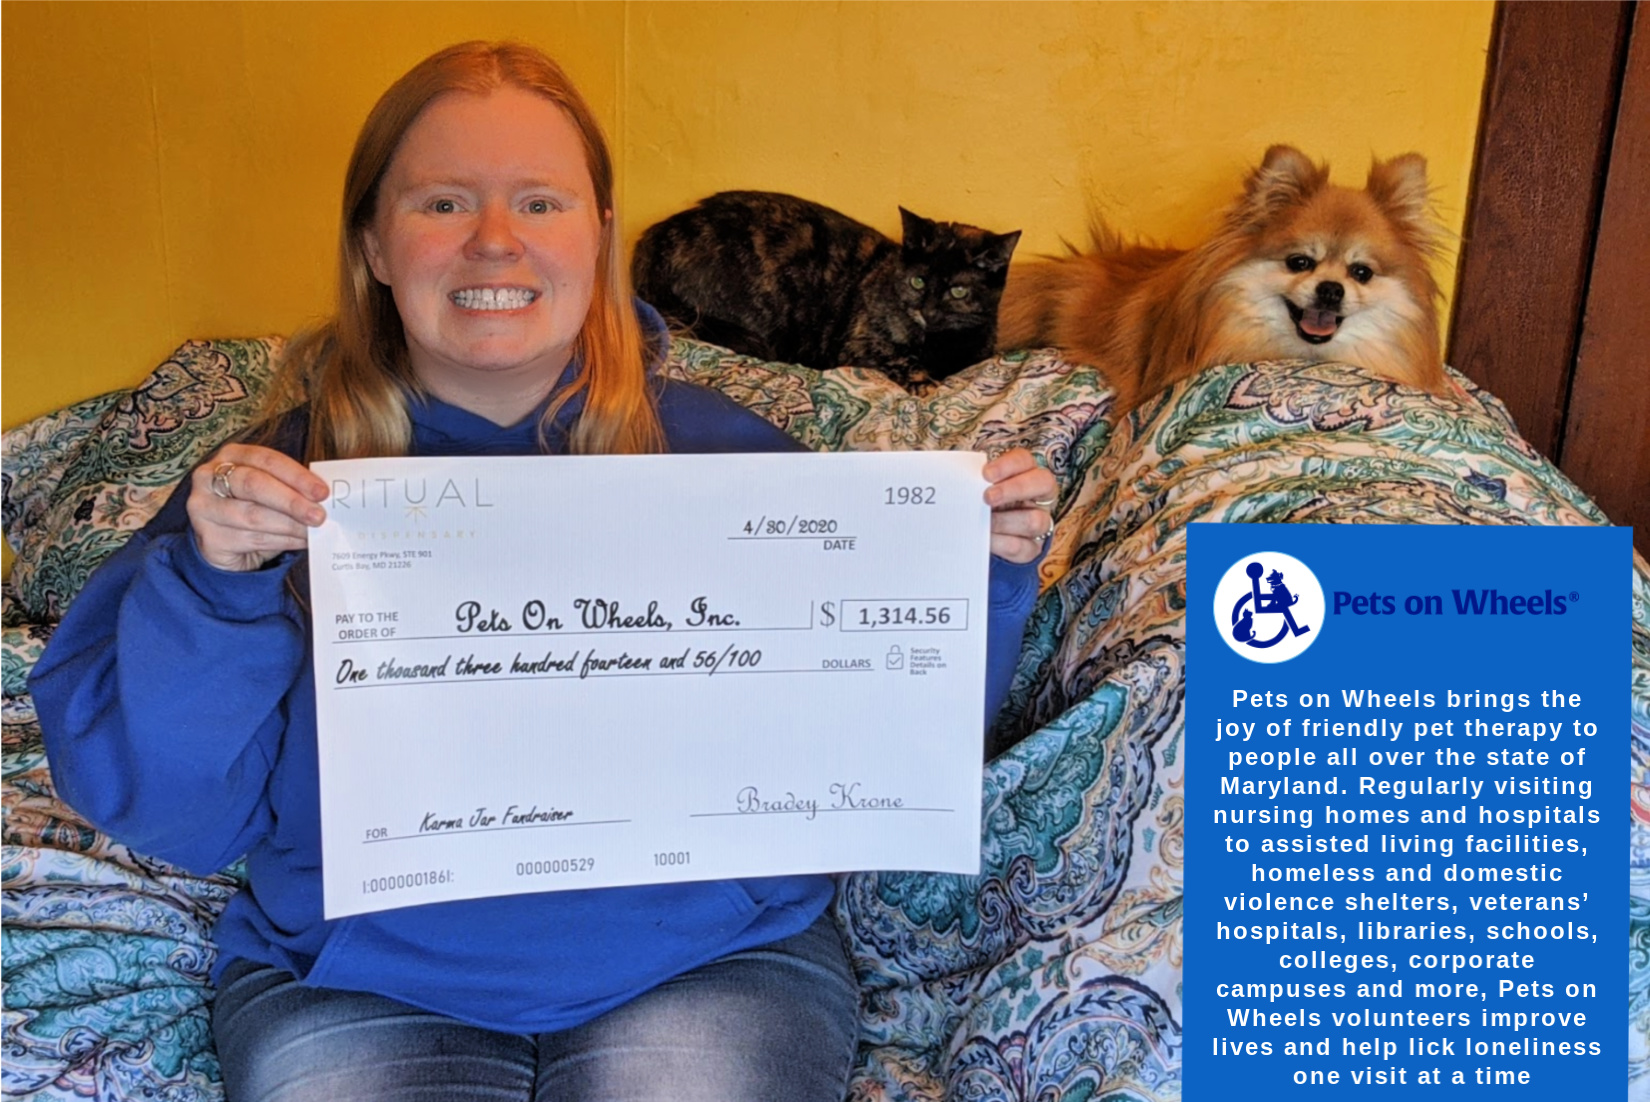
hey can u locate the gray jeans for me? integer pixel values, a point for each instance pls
(777, 1022)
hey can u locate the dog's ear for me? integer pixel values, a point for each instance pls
(1286, 176)
(1399, 187)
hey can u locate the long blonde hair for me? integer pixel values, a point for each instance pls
(354, 371)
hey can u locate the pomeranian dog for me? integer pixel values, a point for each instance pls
(1299, 269)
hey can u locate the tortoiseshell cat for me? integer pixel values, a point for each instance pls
(782, 278)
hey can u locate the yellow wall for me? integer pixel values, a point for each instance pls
(171, 170)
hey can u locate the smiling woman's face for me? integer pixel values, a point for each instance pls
(487, 233)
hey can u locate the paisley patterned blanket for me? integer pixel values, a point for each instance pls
(1053, 974)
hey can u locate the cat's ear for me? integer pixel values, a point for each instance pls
(918, 232)
(994, 251)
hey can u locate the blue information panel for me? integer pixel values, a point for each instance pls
(1406, 838)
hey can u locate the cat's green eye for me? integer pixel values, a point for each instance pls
(917, 282)
(959, 292)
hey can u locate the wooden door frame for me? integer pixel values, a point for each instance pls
(1553, 93)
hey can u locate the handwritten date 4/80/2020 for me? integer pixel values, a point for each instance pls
(799, 527)
(778, 526)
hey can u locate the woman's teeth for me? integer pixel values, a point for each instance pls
(493, 298)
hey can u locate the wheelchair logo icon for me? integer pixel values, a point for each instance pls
(1261, 614)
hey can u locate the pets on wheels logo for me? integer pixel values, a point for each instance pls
(1269, 607)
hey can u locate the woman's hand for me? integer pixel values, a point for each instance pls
(248, 504)
(1021, 496)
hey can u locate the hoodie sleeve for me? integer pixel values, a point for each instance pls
(1013, 593)
(161, 696)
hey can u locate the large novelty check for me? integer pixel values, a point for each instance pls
(574, 672)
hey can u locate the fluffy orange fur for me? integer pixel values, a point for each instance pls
(1299, 269)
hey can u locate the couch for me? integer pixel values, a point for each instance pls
(1056, 972)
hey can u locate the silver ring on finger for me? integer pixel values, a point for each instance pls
(220, 480)
(1046, 502)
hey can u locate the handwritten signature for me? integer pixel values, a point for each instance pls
(844, 796)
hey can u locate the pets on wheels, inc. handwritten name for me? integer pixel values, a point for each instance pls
(589, 614)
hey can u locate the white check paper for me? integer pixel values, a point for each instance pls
(548, 673)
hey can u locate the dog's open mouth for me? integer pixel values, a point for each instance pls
(1314, 326)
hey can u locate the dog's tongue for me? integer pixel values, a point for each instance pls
(1319, 323)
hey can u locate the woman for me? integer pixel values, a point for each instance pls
(482, 309)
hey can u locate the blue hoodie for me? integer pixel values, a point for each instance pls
(157, 746)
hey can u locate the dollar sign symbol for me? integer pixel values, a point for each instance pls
(827, 613)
